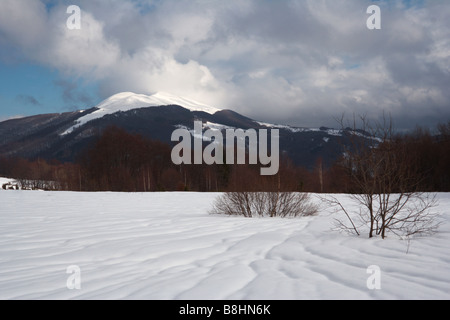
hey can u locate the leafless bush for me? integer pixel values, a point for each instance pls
(265, 204)
(404, 215)
(386, 186)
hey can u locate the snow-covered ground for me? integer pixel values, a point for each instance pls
(167, 246)
(5, 180)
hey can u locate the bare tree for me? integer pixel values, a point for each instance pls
(385, 185)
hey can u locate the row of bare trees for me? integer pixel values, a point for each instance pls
(125, 162)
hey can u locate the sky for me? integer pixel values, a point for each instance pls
(298, 62)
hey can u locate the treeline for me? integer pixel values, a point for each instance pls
(120, 161)
(431, 156)
(38, 174)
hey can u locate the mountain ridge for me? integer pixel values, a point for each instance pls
(64, 136)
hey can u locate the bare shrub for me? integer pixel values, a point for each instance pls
(265, 204)
(386, 186)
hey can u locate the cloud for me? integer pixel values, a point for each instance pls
(23, 24)
(297, 62)
(72, 95)
(28, 100)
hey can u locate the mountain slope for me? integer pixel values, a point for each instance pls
(64, 136)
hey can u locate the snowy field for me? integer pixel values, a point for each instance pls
(167, 246)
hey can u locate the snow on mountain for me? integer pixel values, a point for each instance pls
(328, 131)
(292, 129)
(126, 101)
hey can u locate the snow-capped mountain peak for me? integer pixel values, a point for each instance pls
(126, 101)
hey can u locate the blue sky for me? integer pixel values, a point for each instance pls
(299, 62)
(27, 89)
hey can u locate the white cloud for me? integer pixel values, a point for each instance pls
(23, 23)
(81, 52)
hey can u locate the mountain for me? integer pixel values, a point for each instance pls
(64, 136)
(127, 101)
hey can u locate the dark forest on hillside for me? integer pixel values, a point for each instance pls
(121, 161)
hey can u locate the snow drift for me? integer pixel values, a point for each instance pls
(167, 246)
